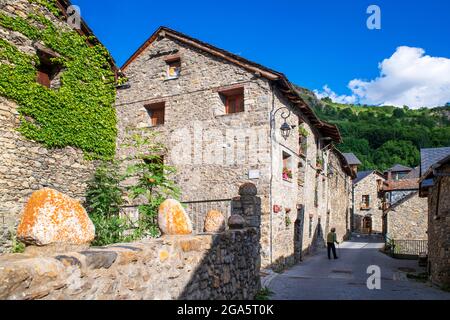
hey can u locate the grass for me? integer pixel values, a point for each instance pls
(420, 277)
(16, 246)
(263, 294)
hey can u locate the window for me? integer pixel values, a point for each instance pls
(233, 100)
(287, 167)
(365, 203)
(156, 112)
(157, 164)
(173, 68)
(47, 70)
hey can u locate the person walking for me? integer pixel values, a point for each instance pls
(331, 240)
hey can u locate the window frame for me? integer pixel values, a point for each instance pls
(287, 163)
(365, 204)
(158, 107)
(235, 95)
(175, 59)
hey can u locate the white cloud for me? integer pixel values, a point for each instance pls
(408, 77)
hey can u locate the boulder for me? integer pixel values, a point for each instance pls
(173, 219)
(51, 217)
(214, 222)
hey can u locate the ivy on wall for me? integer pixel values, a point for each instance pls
(81, 112)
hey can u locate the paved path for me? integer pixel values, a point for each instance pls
(318, 278)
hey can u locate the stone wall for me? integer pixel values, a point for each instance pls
(27, 166)
(221, 266)
(214, 153)
(439, 230)
(368, 186)
(408, 219)
(340, 188)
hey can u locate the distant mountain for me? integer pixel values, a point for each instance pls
(384, 136)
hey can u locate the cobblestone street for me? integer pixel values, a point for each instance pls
(345, 278)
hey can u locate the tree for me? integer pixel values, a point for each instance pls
(396, 151)
(399, 113)
(152, 183)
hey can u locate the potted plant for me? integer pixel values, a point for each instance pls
(319, 163)
(287, 174)
(303, 132)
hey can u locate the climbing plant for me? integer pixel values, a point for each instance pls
(81, 112)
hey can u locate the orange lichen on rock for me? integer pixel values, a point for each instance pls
(51, 217)
(173, 219)
(214, 221)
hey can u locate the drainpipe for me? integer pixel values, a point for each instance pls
(272, 140)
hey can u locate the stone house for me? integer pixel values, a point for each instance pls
(404, 212)
(25, 165)
(220, 117)
(367, 205)
(435, 184)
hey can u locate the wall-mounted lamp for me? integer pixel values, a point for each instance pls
(285, 127)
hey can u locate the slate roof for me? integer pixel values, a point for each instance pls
(429, 157)
(351, 159)
(278, 78)
(414, 174)
(399, 168)
(364, 174)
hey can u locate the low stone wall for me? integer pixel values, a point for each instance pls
(219, 266)
(408, 219)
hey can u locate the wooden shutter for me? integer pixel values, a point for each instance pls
(234, 103)
(43, 77)
(157, 113)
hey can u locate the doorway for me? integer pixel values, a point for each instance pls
(367, 225)
(298, 233)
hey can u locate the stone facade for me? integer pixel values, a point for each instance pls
(407, 219)
(340, 189)
(26, 166)
(367, 187)
(439, 229)
(214, 152)
(405, 213)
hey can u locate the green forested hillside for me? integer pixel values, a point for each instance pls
(383, 136)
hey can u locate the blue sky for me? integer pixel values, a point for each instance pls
(315, 43)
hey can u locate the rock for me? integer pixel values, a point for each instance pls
(214, 222)
(51, 217)
(99, 259)
(173, 219)
(248, 189)
(236, 221)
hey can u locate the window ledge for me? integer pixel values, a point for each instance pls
(171, 79)
(228, 114)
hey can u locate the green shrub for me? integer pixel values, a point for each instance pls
(16, 245)
(109, 229)
(263, 294)
(153, 180)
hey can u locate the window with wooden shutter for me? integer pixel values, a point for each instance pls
(43, 76)
(157, 113)
(234, 100)
(47, 68)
